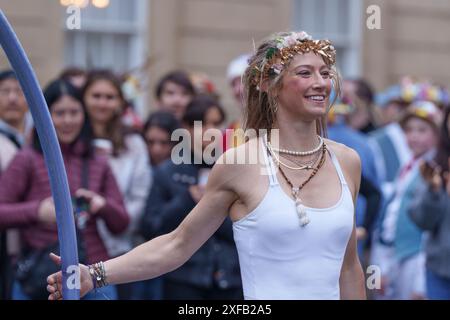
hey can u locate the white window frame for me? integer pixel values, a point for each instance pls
(136, 29)
(304, 10)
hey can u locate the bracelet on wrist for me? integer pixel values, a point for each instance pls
(98, 274)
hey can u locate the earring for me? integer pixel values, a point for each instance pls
(274, 108)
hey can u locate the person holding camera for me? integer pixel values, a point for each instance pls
(26, 202)
(433, 216)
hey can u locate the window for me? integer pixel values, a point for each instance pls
(337, 20)
(112, 37)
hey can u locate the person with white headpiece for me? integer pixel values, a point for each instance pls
(233, 136)
(398, 251)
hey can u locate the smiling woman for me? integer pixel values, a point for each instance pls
(67, 113)
(294, 229)
(68, 119)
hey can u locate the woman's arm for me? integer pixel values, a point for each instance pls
(167, 252)
(352, 276)
(170, 251)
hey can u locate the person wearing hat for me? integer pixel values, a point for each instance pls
(388, 142)
(433, 215)
(399, 248)
(233, 136)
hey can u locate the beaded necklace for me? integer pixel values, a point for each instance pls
(300, 208)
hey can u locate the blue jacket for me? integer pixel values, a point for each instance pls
(408, 237)
(342, 133)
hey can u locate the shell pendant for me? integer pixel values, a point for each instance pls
(301, 213)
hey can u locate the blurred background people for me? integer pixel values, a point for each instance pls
(233, 136)
(128, 158)
(158, 131)
(13, 109)
(398, 248)
(75, 76)
(26, 202)
(432, 215)
(369, 200)
(173, 92)
(364, 117)
(157, 134)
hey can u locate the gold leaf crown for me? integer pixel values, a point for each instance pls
(286, 48)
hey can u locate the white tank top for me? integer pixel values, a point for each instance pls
(279, 259)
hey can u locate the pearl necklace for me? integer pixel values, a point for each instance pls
(299, 153)
(279, 162)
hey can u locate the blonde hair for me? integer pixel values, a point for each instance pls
(261, 105)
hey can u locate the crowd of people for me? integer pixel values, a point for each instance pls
(126, 189)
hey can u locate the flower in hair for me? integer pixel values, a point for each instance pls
(276, 68)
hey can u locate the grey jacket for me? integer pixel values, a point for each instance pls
(433, 215)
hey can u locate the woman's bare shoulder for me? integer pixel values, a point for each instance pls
(348, 159)
(236, 164)
(344, 153)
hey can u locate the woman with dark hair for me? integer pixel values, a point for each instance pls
(127, 154)
(25, 195)
(360, 93)
(443, 151)
(213, 271)
(173, 93)
(76, 76)
(157, 133)
(433, 216)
